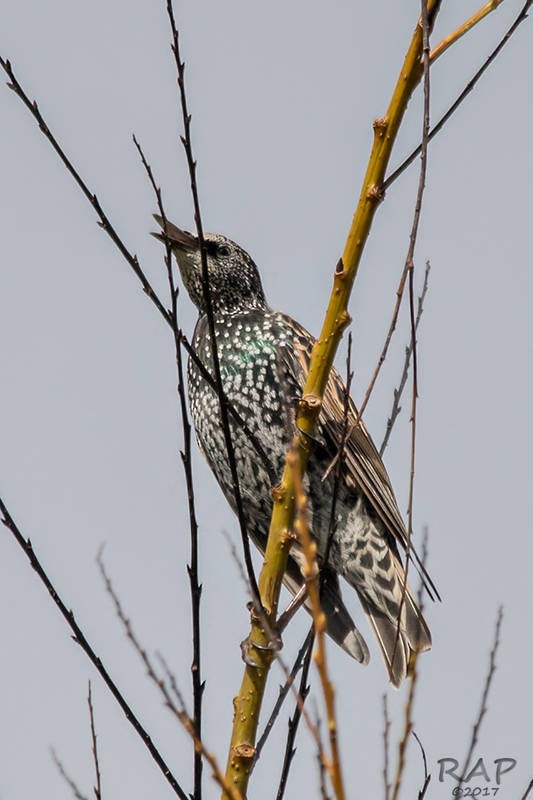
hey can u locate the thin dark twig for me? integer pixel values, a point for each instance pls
(340, 459)
(224, 415)
(303, 652)
(528, 790)
(66, 777)
(387, 183)
(466, 91)
(484, 697)
(104, 222)
(294, 721)
(386, 731)
(98, 786)
(410, 267)
(427, 776)
(179, 711)
(186, 457)
(425, 787)
(131, 259)
(397, 396)
(258, 448)
(408, 714)
(79, 638)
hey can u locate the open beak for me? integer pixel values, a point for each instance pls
(182, 240)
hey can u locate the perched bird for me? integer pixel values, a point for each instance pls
(264, 357)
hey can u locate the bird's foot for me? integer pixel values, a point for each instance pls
(248, 646)
(272, 644)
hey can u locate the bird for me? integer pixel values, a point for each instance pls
(264, 358)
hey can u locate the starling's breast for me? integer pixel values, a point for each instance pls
(250, 347)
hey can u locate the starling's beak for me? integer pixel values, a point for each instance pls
(182, 240)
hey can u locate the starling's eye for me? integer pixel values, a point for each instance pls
(223, 249)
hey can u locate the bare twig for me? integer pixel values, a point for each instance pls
(79, 638)
(131, 259)
(294, 721)
(321, 771)
(66, 777)
(408, 717)
(302, 657)
(339, 458)
(186, 459)
(104, 222)
(386, 732)
(311, 575)
(408, 728)
(521, 17)
(484, 697)
(427, 776)
(453, 37)
(178, 711)
(397, 396)
(98, 785)
(409, 269)
(224, 415)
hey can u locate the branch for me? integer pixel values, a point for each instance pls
(408, 715)
(98, 786)
(77, 794)
(427, 776)
(104, 222)
(521, 17)
(178, 711)
(79, 638)
(186, 459)
(410, 270)
(528, 790)
(484, 697)
(224, 415)
(310, 572)
(248, 701)
(294, 721)
(301, 658)
(447, 42)
(396, 408)
(386, 732)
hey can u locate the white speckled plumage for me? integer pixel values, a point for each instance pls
(264, 357)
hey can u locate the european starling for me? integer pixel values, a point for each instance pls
(264, 357)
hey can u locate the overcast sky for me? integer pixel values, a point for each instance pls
(283, 96)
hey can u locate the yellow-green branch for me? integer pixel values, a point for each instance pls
(453, 37)
(311, 574)
(247, 703)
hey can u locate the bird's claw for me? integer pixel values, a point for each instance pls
(247, 645)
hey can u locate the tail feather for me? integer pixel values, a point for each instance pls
(398, 645)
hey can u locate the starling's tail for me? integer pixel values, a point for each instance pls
(339, 624)
(400, 643)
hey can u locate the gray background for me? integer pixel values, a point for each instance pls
(283, 96)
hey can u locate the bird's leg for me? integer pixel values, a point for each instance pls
(275, 642)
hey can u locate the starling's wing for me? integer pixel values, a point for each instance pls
(363, 468)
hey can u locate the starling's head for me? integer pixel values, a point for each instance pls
(234, 281)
